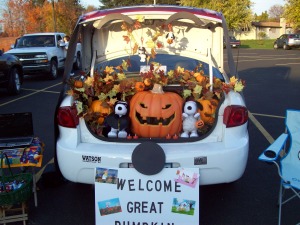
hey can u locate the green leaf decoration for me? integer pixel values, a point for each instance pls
(102, 97)
(79, 107)
(187, 93)
(198, 89)
(238, 87)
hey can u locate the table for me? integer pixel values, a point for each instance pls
(23, 157)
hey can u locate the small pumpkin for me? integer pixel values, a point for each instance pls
(139, 86)
(208, 110)
(156, 114)
(147, 82)
(78, 84)
(102, 108)
(200, 78)
(199, 124)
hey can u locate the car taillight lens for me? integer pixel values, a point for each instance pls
(67, 117)
(235, 115)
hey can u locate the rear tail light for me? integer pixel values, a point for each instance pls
(67, 117)
(235, 115)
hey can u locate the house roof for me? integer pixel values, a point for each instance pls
(269, 24)
(266, 24)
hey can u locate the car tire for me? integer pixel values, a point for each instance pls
(14, 83)
(77, 63)
(286, 47)
(275, 46)
(53, 70)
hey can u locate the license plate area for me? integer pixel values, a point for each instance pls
(167, 165)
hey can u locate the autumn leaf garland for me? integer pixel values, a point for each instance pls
(112, 83)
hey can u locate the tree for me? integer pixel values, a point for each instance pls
(67, 13)
(238, 13)
(292, 13)
(264, 16)
(90, 8)
(275, 12)
(28, 16)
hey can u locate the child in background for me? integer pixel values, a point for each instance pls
(67, 40)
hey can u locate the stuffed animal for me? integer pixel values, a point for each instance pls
(170, 38)
(190, 116)
(142, 54)
(118, 121)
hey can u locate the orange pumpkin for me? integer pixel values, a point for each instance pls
(200, 78)
(208, 110)
(103, 108)
(139, 86)
(147, 82)
(78, 84)
(156, 113)
(199, 124)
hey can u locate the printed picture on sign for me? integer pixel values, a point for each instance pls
(109, 206)
(104, 175)
(183, 206)
(187, 177)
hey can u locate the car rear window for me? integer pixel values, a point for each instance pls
(171, 62)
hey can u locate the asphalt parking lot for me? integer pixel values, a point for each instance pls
(272, 86)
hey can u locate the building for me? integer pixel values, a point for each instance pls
(271, 30)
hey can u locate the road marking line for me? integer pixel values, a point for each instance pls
(282, 64)
(264, 59)
(41, 171)
(261, 128)
(25, 96)
(28, 89)
(267, 115)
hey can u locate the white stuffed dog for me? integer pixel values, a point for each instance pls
(190, 116)
(142, 54)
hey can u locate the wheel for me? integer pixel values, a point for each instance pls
(275, 46)
(285, 46)
(77, 63)
(14, 85)
(53, 70)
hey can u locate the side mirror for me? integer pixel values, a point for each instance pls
(12, 46)
(1, 52)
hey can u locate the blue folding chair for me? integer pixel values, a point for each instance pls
(286, 156)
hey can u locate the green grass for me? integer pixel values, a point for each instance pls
(258, 44)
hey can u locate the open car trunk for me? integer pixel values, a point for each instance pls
(127, 55)
(153, 79)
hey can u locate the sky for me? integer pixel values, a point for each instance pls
(259, 6)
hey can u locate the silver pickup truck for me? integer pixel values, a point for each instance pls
(43, 53)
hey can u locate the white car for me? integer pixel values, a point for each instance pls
(111, 118)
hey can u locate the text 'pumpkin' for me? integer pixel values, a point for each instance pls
(156, 114)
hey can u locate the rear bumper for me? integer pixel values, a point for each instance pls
(216, 163)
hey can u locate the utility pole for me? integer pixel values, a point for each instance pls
(53, 16)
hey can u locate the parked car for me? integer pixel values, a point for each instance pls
(155, 82)
(11, 73)
(287, 41)
(234, 43)
(44, 53)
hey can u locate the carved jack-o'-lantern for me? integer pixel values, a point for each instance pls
(208, 110)
(156, 113)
